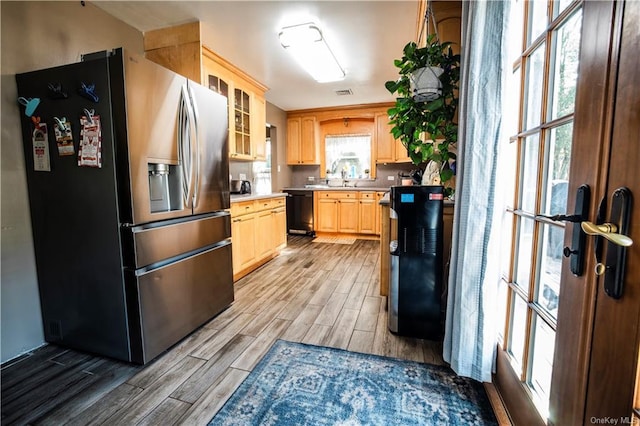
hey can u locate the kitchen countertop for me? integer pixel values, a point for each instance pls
(386, 200)
(338, 188)
(235, 198)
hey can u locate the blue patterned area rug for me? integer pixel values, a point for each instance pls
(298, 384)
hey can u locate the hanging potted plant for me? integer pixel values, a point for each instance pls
(423, 117)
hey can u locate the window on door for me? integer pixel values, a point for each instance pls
(539, 121)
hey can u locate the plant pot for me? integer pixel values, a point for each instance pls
(425, 83)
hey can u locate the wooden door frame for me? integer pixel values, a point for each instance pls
(592, 129)
(577, 295)
(616, 335)
(597, 381)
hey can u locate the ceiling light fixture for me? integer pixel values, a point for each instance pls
(310, 50)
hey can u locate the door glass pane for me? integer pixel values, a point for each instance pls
(559, 6)
(518, 330)
(502, 308)
(506, 235)
(558, 169)
(550, 268)
(535, 74)
(537, 19)
(530, 173)
(507, 171)
(542, 364)
(511, 105)
(565, 74)
(525, 241)
(532, 111)
(516, 16)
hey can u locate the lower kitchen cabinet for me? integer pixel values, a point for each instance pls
(379, 218)
(264, 246)
(258, 232)
(348, 216)
(279, 228)
(347, 212)
(337, 211)
(368, 213)
(327, 210)
(243, 246)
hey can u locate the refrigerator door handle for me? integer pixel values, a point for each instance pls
(196, 138)
(185, 147)
(182, 130)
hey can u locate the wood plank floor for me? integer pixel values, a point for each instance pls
(324, 294)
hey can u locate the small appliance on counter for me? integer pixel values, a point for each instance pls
(240, 187)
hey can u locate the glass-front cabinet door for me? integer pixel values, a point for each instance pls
(246, 106)
(242, 124)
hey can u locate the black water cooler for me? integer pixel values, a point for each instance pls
(415, 282)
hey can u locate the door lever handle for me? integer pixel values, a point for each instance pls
(608, 231)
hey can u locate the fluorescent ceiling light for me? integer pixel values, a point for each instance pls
(310, 50)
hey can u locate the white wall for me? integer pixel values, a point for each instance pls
(36, 35)
(278, 119)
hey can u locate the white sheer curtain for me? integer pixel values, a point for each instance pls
(470, 330)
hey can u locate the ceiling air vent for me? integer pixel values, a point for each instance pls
(344, 92)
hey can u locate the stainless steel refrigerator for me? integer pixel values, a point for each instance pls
(134, 255)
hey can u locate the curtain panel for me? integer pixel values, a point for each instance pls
(471, 324)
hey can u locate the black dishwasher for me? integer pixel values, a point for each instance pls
(300, 212)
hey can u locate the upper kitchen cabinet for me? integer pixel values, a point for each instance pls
(389, 149)
(180, 49)
(247, 106)
(302, 141)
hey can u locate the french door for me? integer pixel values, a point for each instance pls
(564, 339)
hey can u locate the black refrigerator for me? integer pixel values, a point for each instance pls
(415, 282)
(128, 178)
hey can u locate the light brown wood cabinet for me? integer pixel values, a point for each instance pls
(243, 229)
(389, 150)
(258, 232)
(302, 141)
(259, 127)
(279, 227)
(264, 246)
(180, 49)
(379, 217)
(247, 107)
(347, 212)
(348, 215)
(327, 212)
(337, 211)
(368, 213)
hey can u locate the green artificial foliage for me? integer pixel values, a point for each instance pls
(427, 128)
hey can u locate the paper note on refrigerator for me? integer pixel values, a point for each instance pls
(40, 141)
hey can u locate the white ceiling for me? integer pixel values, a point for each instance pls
(365, 36)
